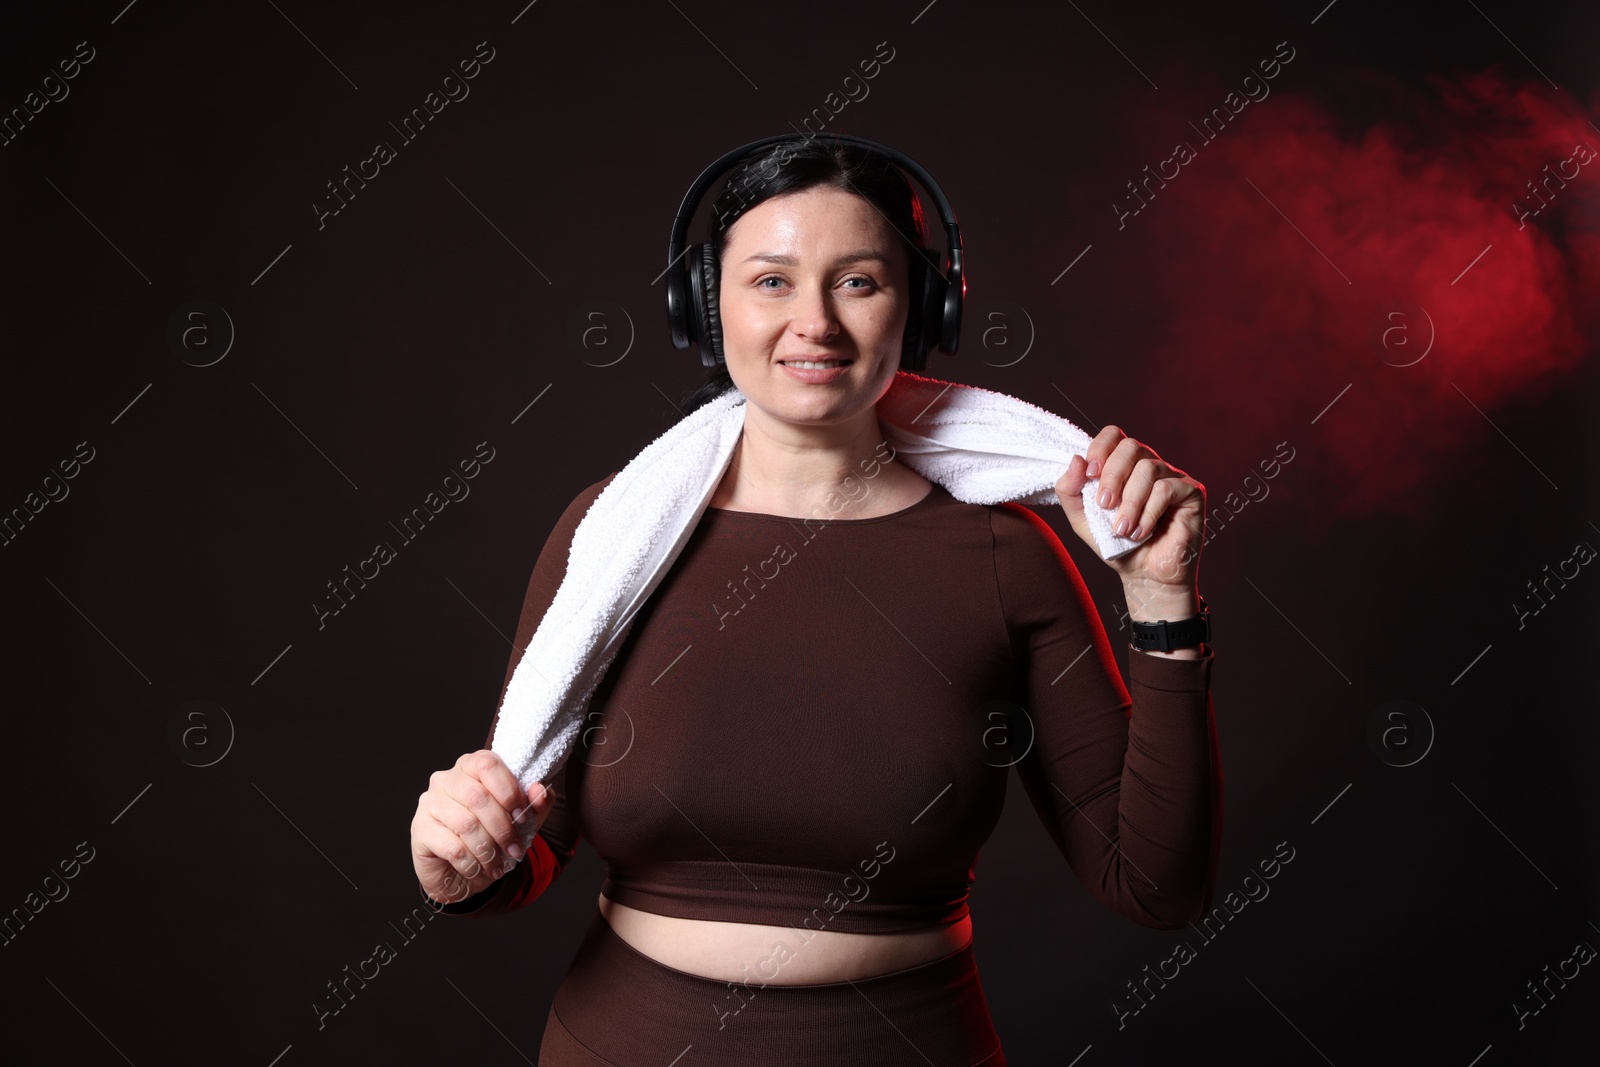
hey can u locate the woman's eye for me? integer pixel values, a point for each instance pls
(864, 283)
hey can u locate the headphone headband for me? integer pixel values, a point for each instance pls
(681, 287)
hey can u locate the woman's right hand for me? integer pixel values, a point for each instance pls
(473, 825)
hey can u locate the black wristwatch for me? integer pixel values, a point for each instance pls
(1164, 636)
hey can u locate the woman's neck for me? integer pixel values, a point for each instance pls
(843, 472)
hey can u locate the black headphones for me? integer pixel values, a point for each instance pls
(693, 284)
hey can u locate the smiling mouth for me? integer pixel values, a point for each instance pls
(815, 364)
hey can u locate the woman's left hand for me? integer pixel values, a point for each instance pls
(1150, 495)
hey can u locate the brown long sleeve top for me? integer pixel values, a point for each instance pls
(812, 723)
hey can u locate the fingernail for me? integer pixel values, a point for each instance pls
(514, 850)
(517, 815)
(1094, 468)
(1121, 527)
(1138, 532)
(1105, 498)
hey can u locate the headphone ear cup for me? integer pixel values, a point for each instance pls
(931, 313)
(953, 291)
(694, 305)
(911, 343)
(710, 291)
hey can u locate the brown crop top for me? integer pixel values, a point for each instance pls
(811, 723)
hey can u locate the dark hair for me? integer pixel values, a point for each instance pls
(794, 165)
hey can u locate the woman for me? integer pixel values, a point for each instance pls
(805, 739)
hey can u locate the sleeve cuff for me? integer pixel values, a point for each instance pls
(1169, 674)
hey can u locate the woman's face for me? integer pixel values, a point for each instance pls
(814, 275)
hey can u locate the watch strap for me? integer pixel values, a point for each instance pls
(1165, 635)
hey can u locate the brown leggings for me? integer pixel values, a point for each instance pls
(617, 1007)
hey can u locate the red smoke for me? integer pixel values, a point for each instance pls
(1250, 312)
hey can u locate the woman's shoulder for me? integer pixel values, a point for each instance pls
(1039, 583)
(1024, 539)
(578, 507)
(1020, 533)
(587, 495)
(1018, 523)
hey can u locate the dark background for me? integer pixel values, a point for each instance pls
(370, 355)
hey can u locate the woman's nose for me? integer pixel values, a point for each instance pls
(814, 316)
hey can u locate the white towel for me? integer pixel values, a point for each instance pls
(982, 446)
